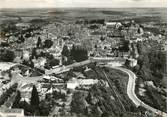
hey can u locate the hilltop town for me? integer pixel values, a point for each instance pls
(68, 67)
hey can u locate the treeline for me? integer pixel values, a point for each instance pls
(92, 21)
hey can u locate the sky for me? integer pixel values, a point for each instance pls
(81, 3)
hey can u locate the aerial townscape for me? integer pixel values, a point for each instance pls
(83, 62)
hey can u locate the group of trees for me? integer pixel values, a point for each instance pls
(46, 44)
(151, 67)
(91, 21)
(151, 64)
(50, 60)
(77, 53)
(21, 39)
(124, 46)
(7, 55)
(78, 104)
(94, 21)
(36, 107)
(38, 22)
(98, 102)
(66, 56)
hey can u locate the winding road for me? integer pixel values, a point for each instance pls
(130, 87)
(131, 92)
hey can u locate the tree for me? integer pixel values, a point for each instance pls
(102, 38)
(21, 39)
(27, 35)
(17, 100)
(66, 58)
(89, 97)
(65, 51)
(34, 53)
(39, 43)
(34, 97)
(27, 108)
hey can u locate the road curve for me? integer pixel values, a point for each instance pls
(130, 87)
(131, 92)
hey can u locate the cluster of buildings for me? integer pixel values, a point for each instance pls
(111, 39)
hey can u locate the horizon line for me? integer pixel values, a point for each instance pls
(80, 7)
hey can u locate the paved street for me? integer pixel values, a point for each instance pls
(132, 95)
(130, 87)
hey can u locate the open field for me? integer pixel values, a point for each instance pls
(145, 15)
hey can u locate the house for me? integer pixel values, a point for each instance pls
(132, 62)
(26, 55)
(72, 84)
(46, 78)
(40, 62)
(87, 82)
(115, 64)
(113, 25)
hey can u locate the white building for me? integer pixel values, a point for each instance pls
(26, 55)
(113, 24)
(133, 62)
(40, 62)
(11, 112)
(74, 83)
(87, 81)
